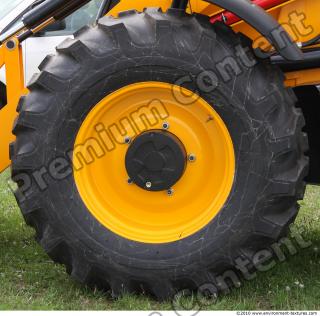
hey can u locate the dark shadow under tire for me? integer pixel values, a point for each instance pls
(308, 100)
(258, 110)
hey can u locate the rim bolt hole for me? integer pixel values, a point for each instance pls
(165, 125)
(192, 158)
(127, 140)
(170, 192)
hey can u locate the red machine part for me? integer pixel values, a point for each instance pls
(230, 18)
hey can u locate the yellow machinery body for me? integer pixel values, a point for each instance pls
(306, 10)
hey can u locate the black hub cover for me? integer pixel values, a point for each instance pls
(156, 160)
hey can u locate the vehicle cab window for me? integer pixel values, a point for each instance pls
(7, 6)
(84, 16)
(43, 43)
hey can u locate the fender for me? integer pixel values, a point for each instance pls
(265, 24)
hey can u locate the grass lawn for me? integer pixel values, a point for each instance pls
(30, 281)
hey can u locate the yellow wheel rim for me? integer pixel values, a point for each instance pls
(132, 212)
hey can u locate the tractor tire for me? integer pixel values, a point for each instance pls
(258, 110)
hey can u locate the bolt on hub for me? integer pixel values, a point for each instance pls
(192, 158)
(165, 125)
(127, 140)
(170, 191)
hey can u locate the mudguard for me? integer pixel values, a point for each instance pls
(265, 24)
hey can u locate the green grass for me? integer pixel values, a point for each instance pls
(30, 281)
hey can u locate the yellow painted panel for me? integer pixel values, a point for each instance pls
(15, 86)
(139, 5)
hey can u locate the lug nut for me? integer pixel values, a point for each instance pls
(170, 192)
(165, 125)
(127, 140)
(130, 181)
(148, 185)
(192, 157)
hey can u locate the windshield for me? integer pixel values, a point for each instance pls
(8, 5)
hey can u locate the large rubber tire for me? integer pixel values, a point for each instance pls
(256, 107)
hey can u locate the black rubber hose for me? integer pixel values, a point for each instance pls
(313, 41)
(264, 24)
(311, 60)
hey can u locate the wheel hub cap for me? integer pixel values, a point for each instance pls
(156, 157)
